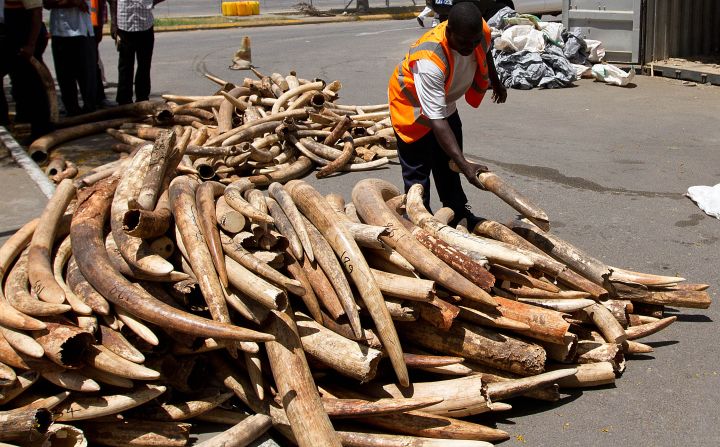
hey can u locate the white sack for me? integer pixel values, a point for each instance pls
(612, 74)
(520, 37)
(596, 50)
(707, 198)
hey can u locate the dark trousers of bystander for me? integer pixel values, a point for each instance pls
(100, 87)
(76, 65)
(31, 103)
(132, 45)
(424, 157)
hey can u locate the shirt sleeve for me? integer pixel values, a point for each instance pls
(430, 88)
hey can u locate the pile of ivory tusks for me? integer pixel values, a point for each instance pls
(272, 129)
(144, 300)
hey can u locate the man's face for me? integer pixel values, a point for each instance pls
(464, 42)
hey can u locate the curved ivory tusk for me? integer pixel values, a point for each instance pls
(22, 343)
(422, 218)
(135, 250)
(227, 108)
(23, 381)
(233, 197)
(159, 158)
(185, 410)
(284, 226)
(107, 378)
(84, 291)
(17, 294)
(643, 330)
(319, 212)
(182, 197)
(92, 259)
(286, 203)
(9, 356)
(39, 148)
(294, 170)
(13, 246)
(646, 279)
(369, 198)
(71, 380)
(129, 431)
(48, 402)
(560, 305)
(328, 262)
(205, 200)
(103, 359)
(40, 273)
(283, 99)
(342, 160)
(93, 407)
(227, 138)
(353, 408)
(117, 343)
(62, 255)
(137, 326)
(241, 434)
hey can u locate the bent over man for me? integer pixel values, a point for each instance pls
(448, 62)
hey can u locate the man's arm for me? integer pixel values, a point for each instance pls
(113, 18)
(448, 142)
(499, 91)
(28, 50)
(155, 2)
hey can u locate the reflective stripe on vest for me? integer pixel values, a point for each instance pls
(94, 12)
(405, 111)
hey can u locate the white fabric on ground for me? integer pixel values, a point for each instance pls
(707, 198)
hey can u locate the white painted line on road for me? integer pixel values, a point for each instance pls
(23, 159)
(384, 31)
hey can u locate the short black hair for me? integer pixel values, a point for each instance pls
(465, 18)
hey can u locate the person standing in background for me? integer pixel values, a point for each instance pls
(98, 16)
(132, 29)
(74, 53)
(23, 37)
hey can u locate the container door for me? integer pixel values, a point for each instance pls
(617, 23)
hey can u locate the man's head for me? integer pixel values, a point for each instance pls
(464, 29)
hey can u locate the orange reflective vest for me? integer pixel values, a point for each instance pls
(95, 13)
(405, 111)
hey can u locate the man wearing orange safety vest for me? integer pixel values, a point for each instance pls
(448, 62)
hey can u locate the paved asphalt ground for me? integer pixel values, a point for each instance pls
(609, 165)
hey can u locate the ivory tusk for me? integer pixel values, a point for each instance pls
(103, 359)
(39, 264)
(317, 210)
(368, 197)
(287, 204)
(87, 238)
(93, 407)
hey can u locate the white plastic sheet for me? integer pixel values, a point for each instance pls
(519, 38)
(707, 198)
(612, 74)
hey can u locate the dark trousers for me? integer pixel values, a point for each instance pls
(425, 156)
(75, 65)
(31, 102)
(100, 88)
(132, 45)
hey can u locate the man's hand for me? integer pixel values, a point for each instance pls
(499, 94)
(113, 31)
(471, 170)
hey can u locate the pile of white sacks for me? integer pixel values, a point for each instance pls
(532, 53)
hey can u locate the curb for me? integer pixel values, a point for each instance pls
(287, 21)
(21, 157)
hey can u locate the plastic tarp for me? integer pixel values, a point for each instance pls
(526, 69)
(707, 198)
